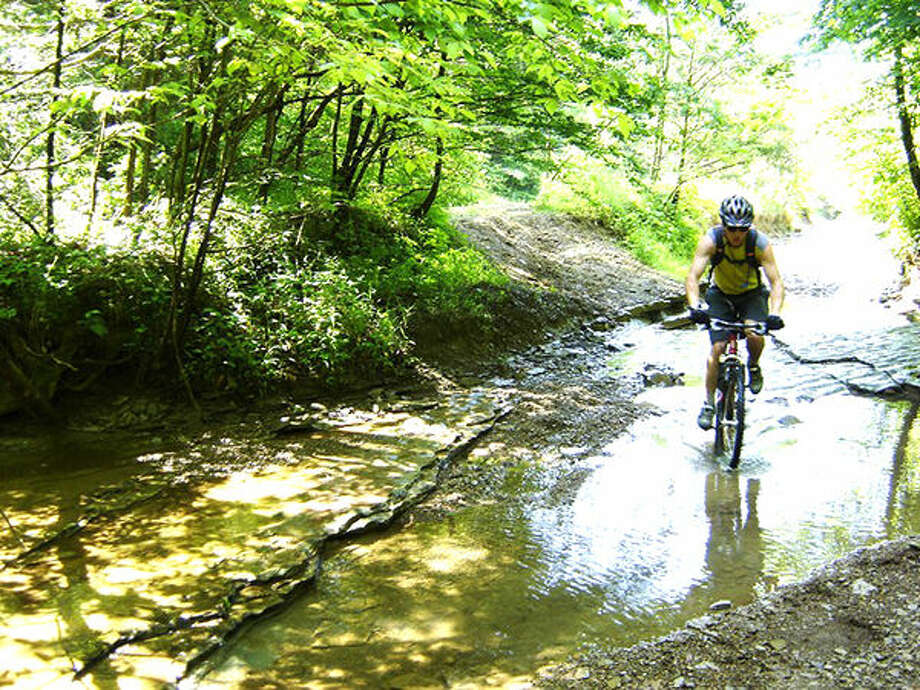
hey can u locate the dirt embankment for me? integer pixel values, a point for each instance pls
(577, 260)
(565, 272)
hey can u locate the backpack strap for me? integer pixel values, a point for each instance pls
(750, 249)
(750, 253)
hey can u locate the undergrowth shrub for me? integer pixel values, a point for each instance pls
(329, 297)
(101, 303)
(296, 322)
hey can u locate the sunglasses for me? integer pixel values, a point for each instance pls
(735, 229)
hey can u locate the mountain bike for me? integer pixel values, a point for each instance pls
(729, 418)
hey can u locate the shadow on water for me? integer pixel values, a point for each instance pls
(135, 565)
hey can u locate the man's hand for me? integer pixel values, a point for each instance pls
(698, 315)
(774, 322)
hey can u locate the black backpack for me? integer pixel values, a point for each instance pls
(750, 254)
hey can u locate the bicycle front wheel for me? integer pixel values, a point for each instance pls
(730, 417)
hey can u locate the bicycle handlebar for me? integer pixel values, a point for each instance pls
(757, 327)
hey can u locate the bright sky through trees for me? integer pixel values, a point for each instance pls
(825, 83)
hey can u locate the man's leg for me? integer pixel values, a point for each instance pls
(755, 345)
(755, 309)
(712, 370)
(704, 420)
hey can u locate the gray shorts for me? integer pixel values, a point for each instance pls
(748, 306)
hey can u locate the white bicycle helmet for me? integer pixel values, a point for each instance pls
(736, 212)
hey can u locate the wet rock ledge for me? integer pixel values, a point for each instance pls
(854, 623)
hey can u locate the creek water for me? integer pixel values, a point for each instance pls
(624, 540)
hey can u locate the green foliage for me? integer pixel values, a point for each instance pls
(889, 29)
(89, 302)
(333, 296)
(298, 322)
(880, 24)
(891, 198)
(422, 267)
(513, 178)
(94, 307)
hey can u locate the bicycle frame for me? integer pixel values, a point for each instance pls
(729, 421)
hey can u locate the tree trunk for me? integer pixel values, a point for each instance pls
(227, 158)
(907, 135)
(334, 144)
(422, 209)
(129, 180)
(97, 166)
(674, 197)
(49, 143)
(268, 141)
(382, 169)
(663, 105)
(179, 163)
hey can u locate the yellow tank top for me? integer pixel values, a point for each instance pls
(733, 275)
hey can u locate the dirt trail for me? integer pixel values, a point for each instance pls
(577, 260)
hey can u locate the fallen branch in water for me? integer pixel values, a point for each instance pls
(78, 526)
(12, 529)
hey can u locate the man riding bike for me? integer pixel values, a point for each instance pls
(736, 252)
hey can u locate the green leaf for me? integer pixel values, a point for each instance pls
(95, 323)
(539, 27)
(624, 124)
(717, 7)
(614, 17)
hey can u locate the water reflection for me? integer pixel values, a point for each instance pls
(735, 548)
(903, 513)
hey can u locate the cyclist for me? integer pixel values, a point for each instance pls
(736, 251)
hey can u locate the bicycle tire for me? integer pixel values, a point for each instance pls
(736, 432)
(730, 415)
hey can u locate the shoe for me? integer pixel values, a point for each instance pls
(756, 378)
(705, 418)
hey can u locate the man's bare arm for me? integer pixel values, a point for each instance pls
(705, 248)
(777, 290)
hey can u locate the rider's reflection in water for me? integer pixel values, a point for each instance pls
(734, 551)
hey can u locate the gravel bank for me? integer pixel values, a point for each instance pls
(854, 623)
